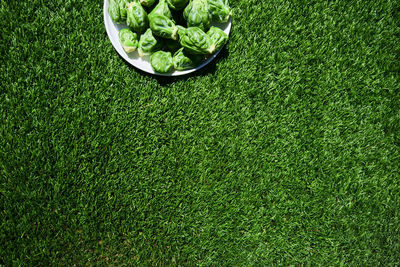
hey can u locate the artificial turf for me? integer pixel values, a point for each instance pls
(284, 151)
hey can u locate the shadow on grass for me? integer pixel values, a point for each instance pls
(206, 70)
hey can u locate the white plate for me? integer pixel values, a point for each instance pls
(144, 63)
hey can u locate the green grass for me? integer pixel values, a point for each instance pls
(284, 151)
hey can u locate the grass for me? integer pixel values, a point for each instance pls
(284, 151)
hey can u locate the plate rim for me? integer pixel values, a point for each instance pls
(117, 46)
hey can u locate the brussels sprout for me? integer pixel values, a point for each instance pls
(137, 17)
(163, 27)
(197, 14)
(177, 4)
(196, 41)
(161, 61)
(220, 10)
(128, 40)
(181, 29)
(172, 45)
(184, 61)
(161, 9)
(147, 3)
(113, 10)
(123, 11)
(148, 44)
(218, 37)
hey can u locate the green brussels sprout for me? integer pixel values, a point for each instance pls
(161, 9)
(123, 11)
(196, 41)
(148, 44)
(197, 14)
(162, 61)
(220, 10)
(177, 4)
(163, 27)
(137, 18)
(183, 61)
(128, 40)
(181, 29)
(147, 3)
(218, 37)
(113, 10)
(172, 45)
